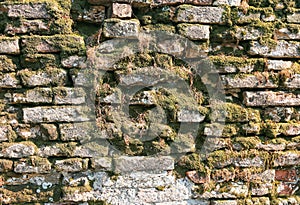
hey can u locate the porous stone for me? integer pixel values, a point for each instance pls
(293, 81)
(17, 150)
(286, 34)
(130, 164)
(121, 10)
(224, 202)
(194, 14)
(8, 80)
(64, 95)
(194, 31)
(76, 131)
(283, 49)
(103, 163)
(33, 165)
(260, 80)
(29, 11)
(55, 114)
(227, 2)
(37, 95)
(38, 61)
(116, 28)
(49, 76)
(199, 2)
(261, 189)
(248, 33)
(71, 165)
(265, 98)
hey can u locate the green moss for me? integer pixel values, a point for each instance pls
(248, 142)
(271, 129)
(190, 162)
(67, 148)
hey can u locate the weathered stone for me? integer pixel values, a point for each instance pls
(227, 2)
(71, 165)
(266, 176)
(286, 175)
(114, 28)
(8, 80)
(55, 114)
(248, 33)
(76, 131)
(26, 131)
(63, 95)
(293, 81)
(268, 18)
(103, 163)
(95, 14)
(37, 95)
(286, 34)
(279, 114)
(261, 189)
(194, 31)
(286, 189)
(193, 14)
(279, 64)
(7, 64)
(247, 18)
(6, 165)
(37, 61)
(167, 2)
(121, 10)
(288, 158)
(58, 150)
(28, 26)
(130, 164)
(142, 98)
(293, 18)
(6, 133)
(17, 150)
(260, 80)
(224, 202)
(73, 62)
(33, 165)
(49, 131)
(283, 49)
(198, 2)
(49, 76)
(265, 98)
(29, 11)
(190, 116)
(271, 147)
(249, 162)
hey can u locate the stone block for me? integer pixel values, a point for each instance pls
(6, 133)
(194, 31)
(71, 165)
(28, 26)
(32, 165)
(194, 14)
(260, 80)
(17, 150)
(55, 114)
(271, 98)
(73, 62)
(95, 14)
(7, 64)
(29, 11)
(38, 61)
(190, 116)
(131, 164)
(227, 2)
(121, 10)
(293, 18)
(37, 95)
(8, 80)
(224, 202)
(278, 65)
(49, 131)
(64, 95)
(116, 28)
(6, 165)
(288, 158)
(9, 45)
(76, 131)
(199, 2)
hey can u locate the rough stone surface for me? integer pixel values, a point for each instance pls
(293, 18)
(247, 81)
(194, 31)
(9, 45)
(30, 11)
(33, 165)
(279, 64)
(193, 14)
(71, 165)
(227, 2)
(28, 26)
(121, 10)
(189, 116)
(115, 28)
(17, 150)
(74, 96)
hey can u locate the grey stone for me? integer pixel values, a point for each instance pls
(265, 98)
(55, 114)
(224, 202)
(293, 18)
(27, 26)
(76, 131)
(95, 14)
(29, 11)
(261, 189)
(286, 34)
(248, 18)
(63, 95)
(8, 80)
(279, 64)
(49, 131)
(114, 28)
(227, 2)
(189, 116)
(193, 14)
(121, 10)
(17, 150)
(6, 133)
(248, 33)
(271, 147)
(247, 81)
(37, 95)
(103, 163)
(33, 165)
(130, 164)
(73, 62)
(198, 2)
(54, 76)
(194, 31)
(283, 49)
(293, 81)
(9, 45)
(249, 162)
(71, 165)
(288, 158)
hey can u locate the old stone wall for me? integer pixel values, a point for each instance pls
(144, 131)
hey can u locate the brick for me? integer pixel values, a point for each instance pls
(71, 165)
(121, 10)
(95, 14)
(271, 98)
(279, 65)
(288, 158)
(283, 49)
(261, 80)
(194, 14)
(33, 165)
(17, 150)
(286, 175)
(37, 95)
(55, 114)
(9, 45)
(46, 77)
(29, 11)
(28, 26)
(8, 80)
(114, 28)
(293, 18)
(7, 64)
(194, 31)
(64, 95)
(6, 165)
(227, 2)
(131, 164)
